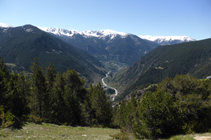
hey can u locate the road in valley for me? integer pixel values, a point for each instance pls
(104, 84)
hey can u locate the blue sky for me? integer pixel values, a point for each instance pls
(140, 17)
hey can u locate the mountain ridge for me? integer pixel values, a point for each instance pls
(112, 34)
(89, 33)
(107, 32)
(168, 40)
(106, 45)
(170, 60)
(19, 45)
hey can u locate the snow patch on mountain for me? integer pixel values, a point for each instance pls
(58, 31)
(167, 38)
(4, 25)
(70, 33)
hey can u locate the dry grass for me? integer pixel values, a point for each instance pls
(204, 136)
(51, 131)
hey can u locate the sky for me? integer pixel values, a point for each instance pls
(140, 17)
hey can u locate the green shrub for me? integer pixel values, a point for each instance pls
(34, 119)
(5, 120)
(178, 106)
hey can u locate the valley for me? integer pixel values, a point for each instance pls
(162, 62)
(103, 79)
(90, 53)
(106, 86)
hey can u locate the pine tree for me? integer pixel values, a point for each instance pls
(97, 108)
(180, 105)
(73, 107)
(57, 102)
(17, 93)
(39, 87)
(50, 76)
(87, 108)
(4, 77)
(74, 82)
(126, 114)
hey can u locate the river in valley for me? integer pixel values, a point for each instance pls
(105, 85)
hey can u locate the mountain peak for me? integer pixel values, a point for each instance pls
(4, 25)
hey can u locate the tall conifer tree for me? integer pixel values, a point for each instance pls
(4, 77)
(39, 87)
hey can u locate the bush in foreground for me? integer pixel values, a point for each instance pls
(178, 106)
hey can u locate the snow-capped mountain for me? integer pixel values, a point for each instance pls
(19, 45)
(167, 40)
(106, 45)
(109, 45)
(4, 25)
(110, 34)
(71, 33)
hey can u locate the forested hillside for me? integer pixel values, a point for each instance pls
(51, 96)
(106, 45)
(192, 57)
(178, 106)
(181, 105)
(20, 45)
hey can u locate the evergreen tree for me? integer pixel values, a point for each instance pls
(65, 107)
(50, 76)
(120, 116)
(74, 82)
(4, 77)
(178, 106)
(97, 107)
(58, 108)
(16, 95)
(73, 107)
(39, 88)
(87, 108)
(126, 115)
(50, 79)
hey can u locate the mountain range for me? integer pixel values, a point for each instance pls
(19, 46)
(170, 60)
(106, 45)
(83, 51)
(168, 40)
(109, 45)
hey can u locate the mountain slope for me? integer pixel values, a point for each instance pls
(192, 57)
(106, 45)
(20, 45)
(168, 40)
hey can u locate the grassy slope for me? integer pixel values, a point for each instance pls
(52, 131)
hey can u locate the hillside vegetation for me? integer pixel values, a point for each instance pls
(178, 106)
(126, 49)
(20, 45)
(52, 131)
(192, 57)
(54, 97)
